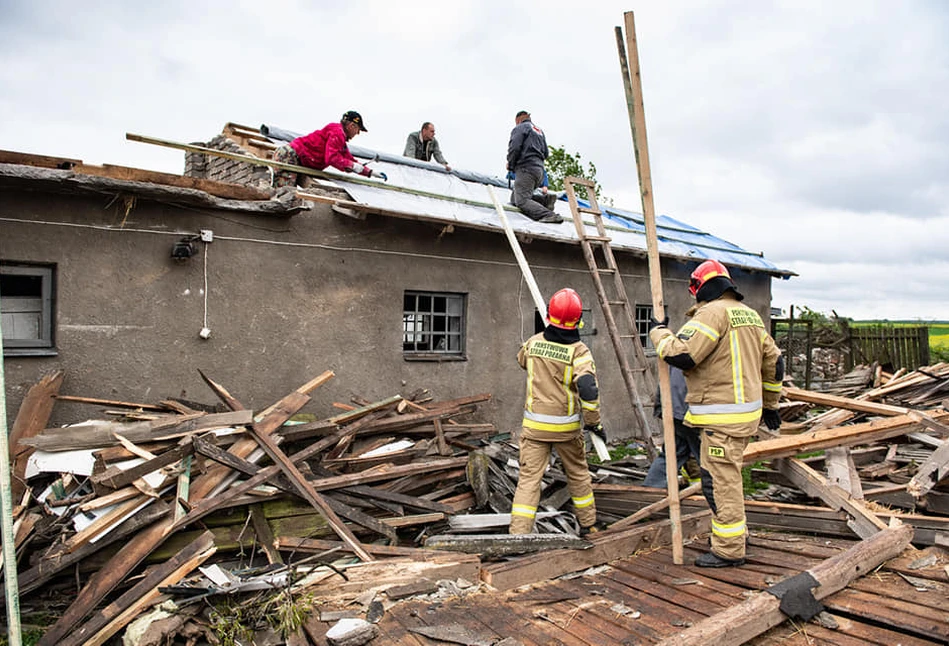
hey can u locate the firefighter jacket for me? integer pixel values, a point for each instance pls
(732, 366)
(562, 395)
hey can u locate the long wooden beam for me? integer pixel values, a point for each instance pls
(742, 622)
(790, 445)
(632, 83)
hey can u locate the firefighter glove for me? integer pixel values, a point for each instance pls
(771, 419)
(654, 323)
(510, 176)
(380, 175)
(594, 428)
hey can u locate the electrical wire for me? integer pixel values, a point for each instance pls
(313, 245)
(207, 246)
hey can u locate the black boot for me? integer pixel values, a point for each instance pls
(710, 559)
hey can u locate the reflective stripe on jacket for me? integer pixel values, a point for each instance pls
(553, 410)
(735, 365)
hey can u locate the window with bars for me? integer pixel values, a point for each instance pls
(643, 319)
(26, 309)
(433, 325)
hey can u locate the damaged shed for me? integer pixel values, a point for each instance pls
(134, 279)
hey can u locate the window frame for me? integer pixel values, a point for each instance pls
(642, 316)
(419, 318)
(45, 344)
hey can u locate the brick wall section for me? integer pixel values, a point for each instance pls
(226, 170)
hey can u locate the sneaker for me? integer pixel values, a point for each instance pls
(710, 559)
(551, 218)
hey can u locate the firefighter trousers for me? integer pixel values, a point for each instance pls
(533, 460)
(721, 464)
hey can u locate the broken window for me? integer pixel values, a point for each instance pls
(26, 309)
(643, 319)
(433, 325)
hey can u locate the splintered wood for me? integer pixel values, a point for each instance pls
(177, 501)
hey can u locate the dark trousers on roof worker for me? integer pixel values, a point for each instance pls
(526, 152)
(562, 400)
(687, 439)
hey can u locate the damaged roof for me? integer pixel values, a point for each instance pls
(463, 197)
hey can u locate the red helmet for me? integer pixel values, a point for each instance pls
(705, 272)
(565, 309)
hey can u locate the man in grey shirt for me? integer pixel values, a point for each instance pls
(423, 145)
(526, 152)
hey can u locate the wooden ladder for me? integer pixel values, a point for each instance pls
(626, 342)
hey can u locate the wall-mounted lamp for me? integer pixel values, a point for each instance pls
(184, 249)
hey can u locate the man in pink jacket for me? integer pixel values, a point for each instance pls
(322, 148)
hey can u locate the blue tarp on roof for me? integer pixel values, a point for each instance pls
(462, 197)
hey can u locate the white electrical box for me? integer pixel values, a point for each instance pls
(207, 235)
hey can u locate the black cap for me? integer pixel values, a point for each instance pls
(522, 113)
(356, 118)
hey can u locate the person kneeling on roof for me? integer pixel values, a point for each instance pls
(322, 148)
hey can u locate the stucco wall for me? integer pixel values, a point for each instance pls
(290, 298)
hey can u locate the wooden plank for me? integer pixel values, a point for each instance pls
(112, 402)
(867, 432)
(863, 521)
(656, 507)
(907, 617)
(399, 571)
(310, 494)
(265, 537)
(183, 487)
(113, 617)
(117, 478)
(40, 161)
(221, 393)
(103, 434)
(845, 403)
(226, 190)
(316, 545)
(607, 546)
(738, 624)
(31, 419)
(930, 472)
(842, 472)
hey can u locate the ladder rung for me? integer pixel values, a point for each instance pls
(597, 239)
(629, 336)
(606, 271)
(621, 303)
(587, 209)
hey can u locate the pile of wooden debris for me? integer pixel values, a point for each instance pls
(182, 491)
(213, 522)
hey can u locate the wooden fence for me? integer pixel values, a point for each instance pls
(892, 347)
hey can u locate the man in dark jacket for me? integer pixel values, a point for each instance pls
(526, 152)
(687, 439)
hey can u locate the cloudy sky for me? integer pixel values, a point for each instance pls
(816, 132)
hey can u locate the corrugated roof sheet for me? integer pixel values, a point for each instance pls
(461, 197)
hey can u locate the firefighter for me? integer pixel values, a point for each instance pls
(733, 371)
(562, 401)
